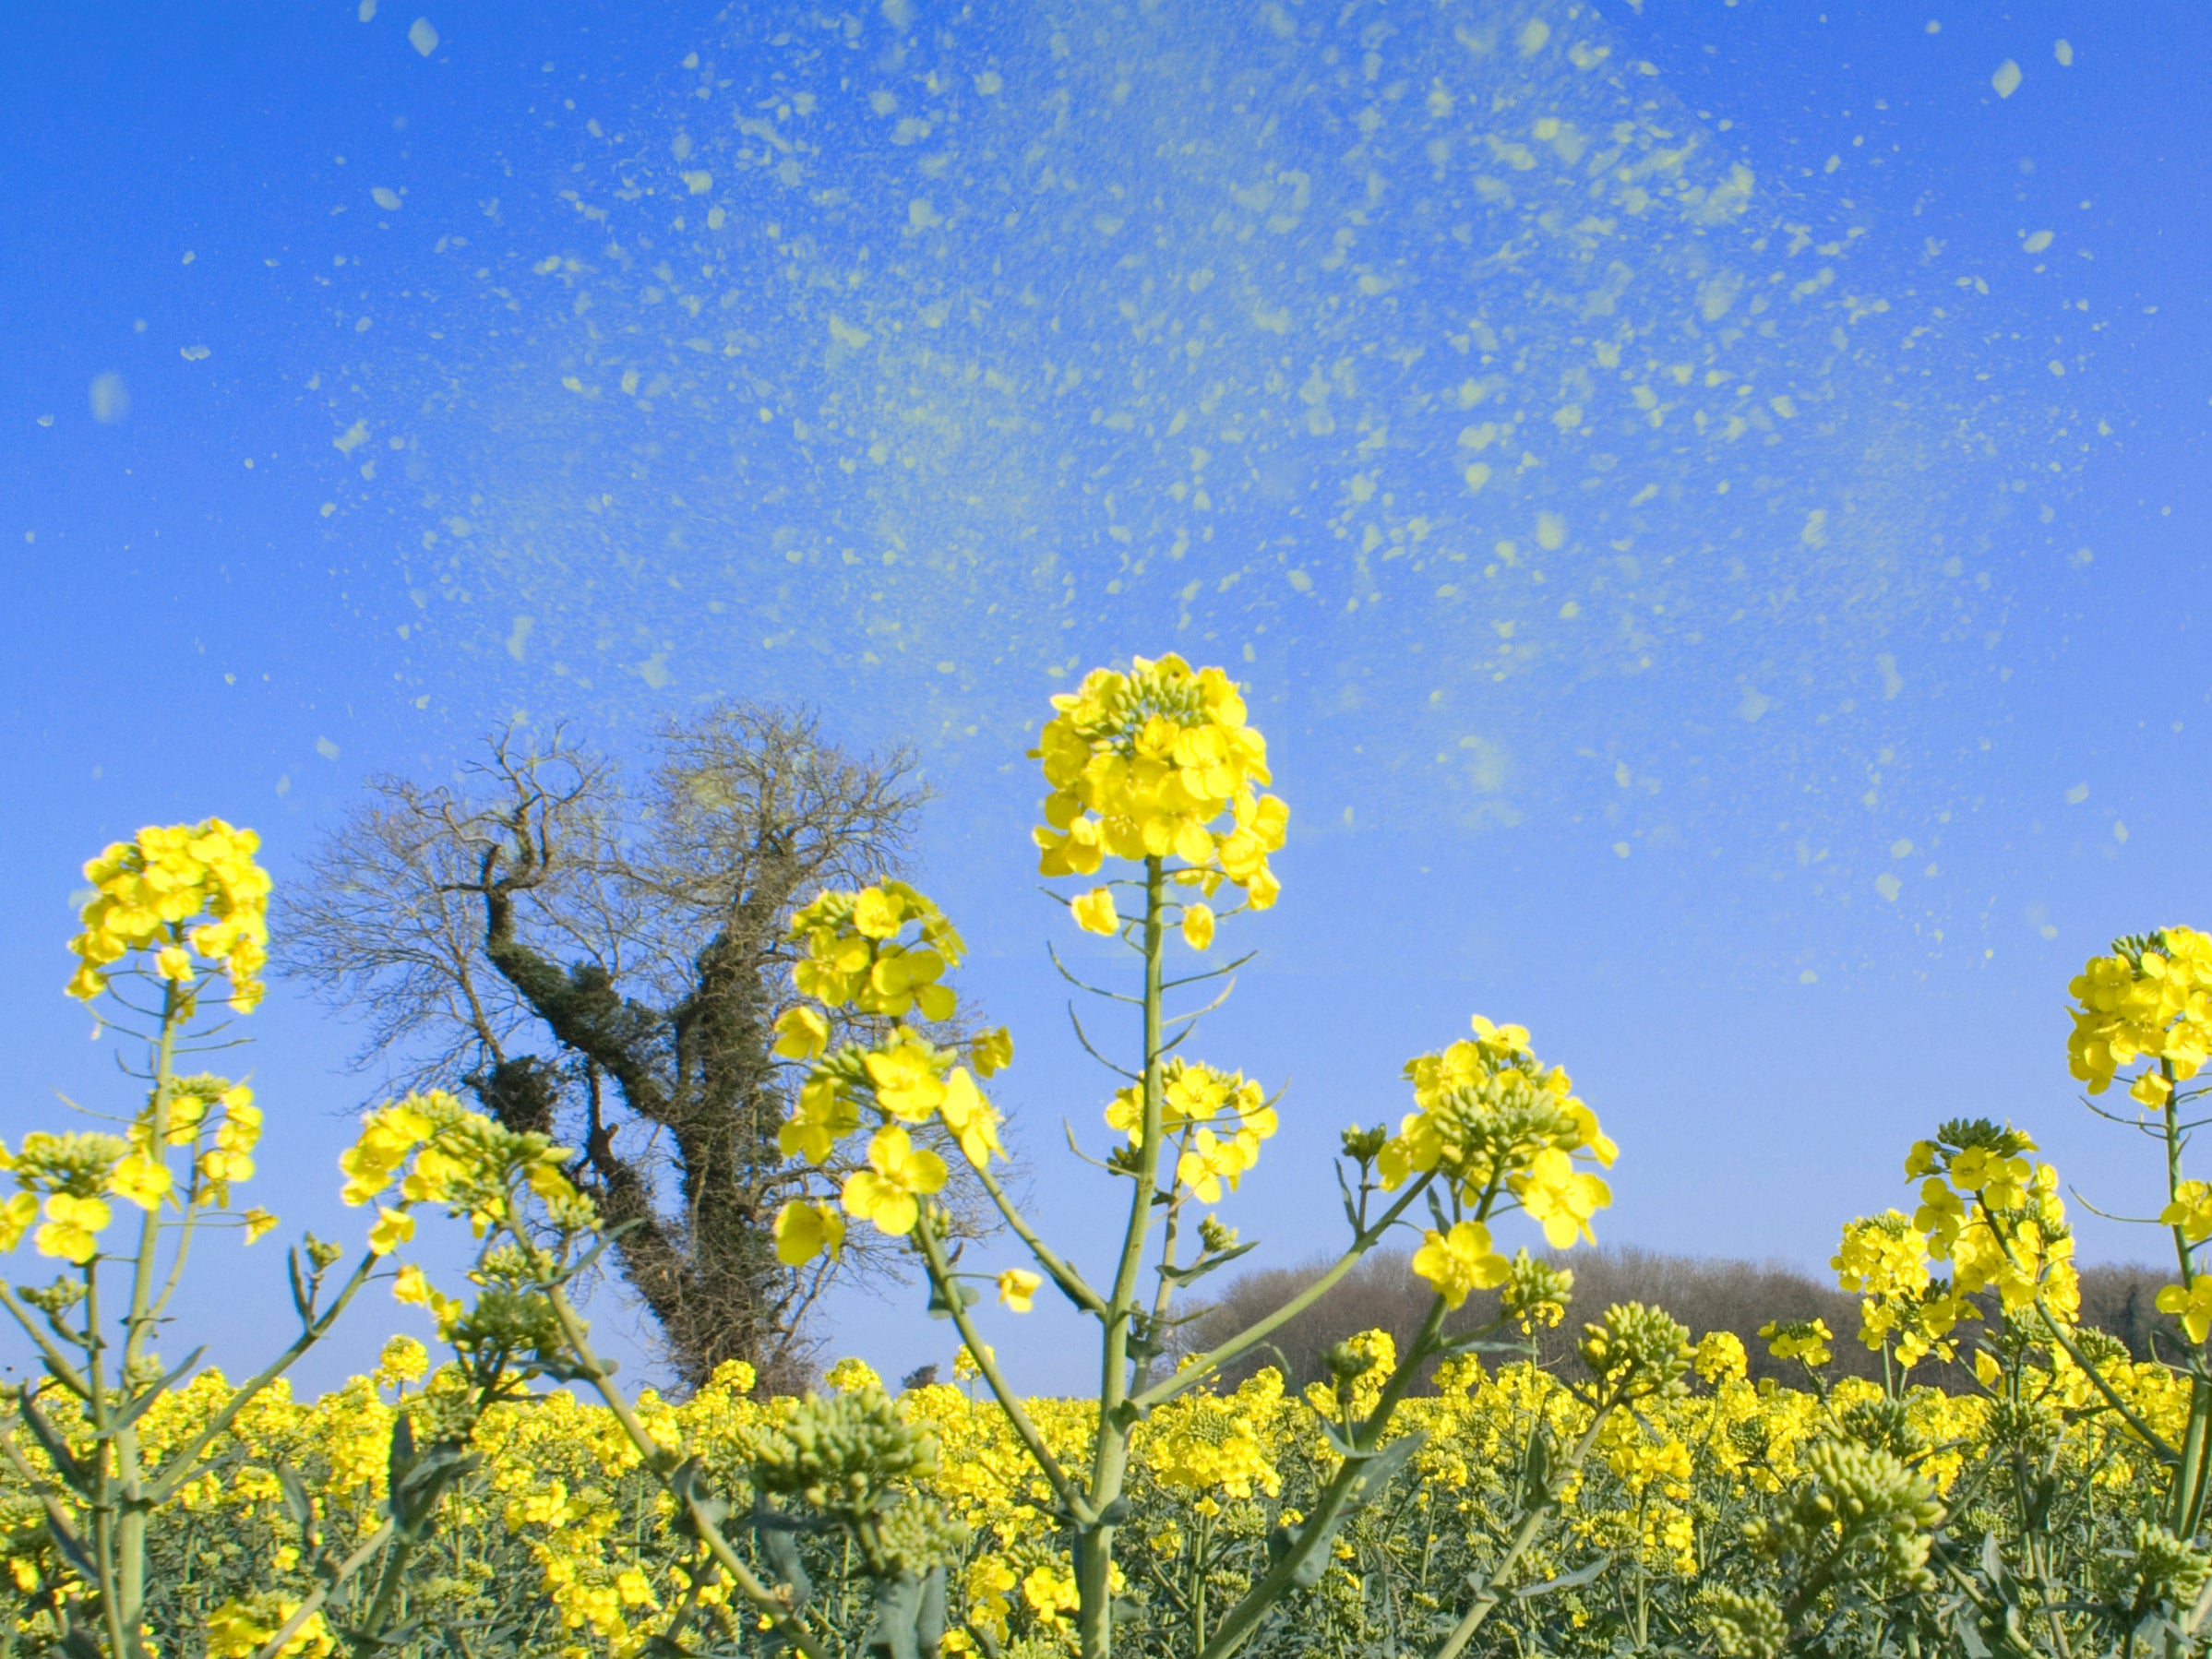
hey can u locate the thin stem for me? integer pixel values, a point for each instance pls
(1062, 1273)
(1532, 1523)
(771, 1606)
(940, 1274)
(183, 1464)
(138, 1326)
(1252, 1335)
(1109, 1459)
(322, 1592)
(1321, 1522)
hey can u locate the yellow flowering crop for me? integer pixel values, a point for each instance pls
(1459, 1262)
(2150, 1001)
(1489, 1117)
(1646, 1496)
(1145, 764)
(189, 894)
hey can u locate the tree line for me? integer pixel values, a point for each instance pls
(1703, 1293)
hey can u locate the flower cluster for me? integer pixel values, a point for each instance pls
(1996, 1216)
(1798, 1339)
(2149, 1000)
(880, 951)
(430, 1149)
(860, 954)
(191, 894)
(71, 1176)
(1210, 1444)
(1143, 765)
(1883, 1260)
(1490, 1118)
(1220, 1118)
(563, 1526)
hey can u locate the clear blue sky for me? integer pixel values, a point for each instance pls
(1710, 501)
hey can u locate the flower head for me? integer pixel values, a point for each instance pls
(1157, 762)
(805, 1230)
(899, 1176)
(2149, 1002)
(187, 894)
(1460, 1261)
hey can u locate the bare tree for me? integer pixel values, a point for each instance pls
(605, 961)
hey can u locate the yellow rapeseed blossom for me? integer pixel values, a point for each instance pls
(1720, 1357)
(1018, 1288)
(238, 1630)
(801, 1033)
(1460, 1261)
(2190, 1210)
(899, 1176)
(402, 1360)
(2193, 1306)
(73, 1227)
(1145, 764)
(1489, 1114)
(1221, 1117)
(1093, 912)
(1798, 1339)
(992, 1052)
(2150, 1000)
(858, 954)
(805, 1230)
(181, 892)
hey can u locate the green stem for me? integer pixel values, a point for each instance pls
(184, 1464)
(1531, 1524)
(770, 1605)
(138, 1326)
(940, 1274)
(1252, 1335)
(1109, 1457)
(1062, 1273)
(321, 1593)
(57, 1363)
(1319, 1525)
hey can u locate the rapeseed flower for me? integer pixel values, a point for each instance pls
(1145, 765)
(805, 1230)
(181, 891)
(899, 1176)
(1460, 1261)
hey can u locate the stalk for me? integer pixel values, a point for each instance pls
(772, 1606)
(130, 1530)
(1531, 1524)
(1109, 1460)
(1321, 1524)
(2186, 1507)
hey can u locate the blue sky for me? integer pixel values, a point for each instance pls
(1709, 500)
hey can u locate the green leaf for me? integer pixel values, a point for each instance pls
(138, 1406)
(1568, 1581)
(1206, 1264)
(930, 1618)
(296, 1502)
(303, 1294)
(893, 1630)
(74, 1552)
(1382, 1466)
(782, 1552)
(939, 1308)
(56, 1448)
